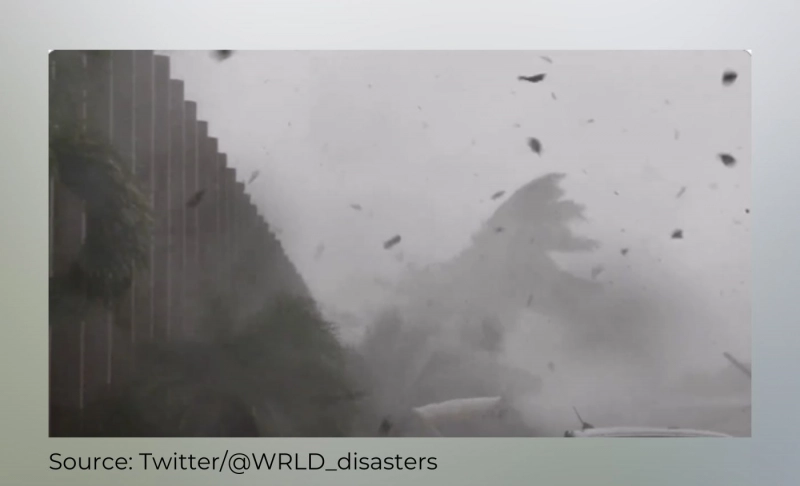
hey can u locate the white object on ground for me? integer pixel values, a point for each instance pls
(463, 409)
(642, 432)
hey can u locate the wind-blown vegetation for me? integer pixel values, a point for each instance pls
(118, 213)
(278, 371)
(284, 374)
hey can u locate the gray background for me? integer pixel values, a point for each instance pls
(423, 140)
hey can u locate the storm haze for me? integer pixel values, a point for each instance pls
(605, 266)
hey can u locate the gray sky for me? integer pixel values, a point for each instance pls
(421, 140)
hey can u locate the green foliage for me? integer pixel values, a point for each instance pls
(285, 371)
(118, 214)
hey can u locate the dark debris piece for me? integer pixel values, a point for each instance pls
(729, 77)
(596, 271)
(498, 195)
(551, 366)
(385, 427)
(747, 210)
(727, 159)
(222, 55)
(535, 145)
(357, 207)
(499, 229)
(681, 192)
(530, 300)
(391, 242)
(254, 176)
(677, 234)
(624, 251)
(546, 59)
(532, 79)
(196, 199)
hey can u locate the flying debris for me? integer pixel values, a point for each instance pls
(590, 121)
(391, 242)
(532, 79)
(584, 425)
(357, 207)
(597, 270)
(546, 59)
(747, 210)
(530, 299)
(385, 428)
(499, 229)
(222, 55)
(498, 195)
(681, 192)
(677, 234)
(624, 251)
(741, 367)
(729, 77)
(553, 95)
(535, 145)
(195, 199)
(551, 366)
(254, 176)
(677, 134)
(319, 251)
(727, 159)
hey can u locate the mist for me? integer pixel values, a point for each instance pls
(550, 276)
